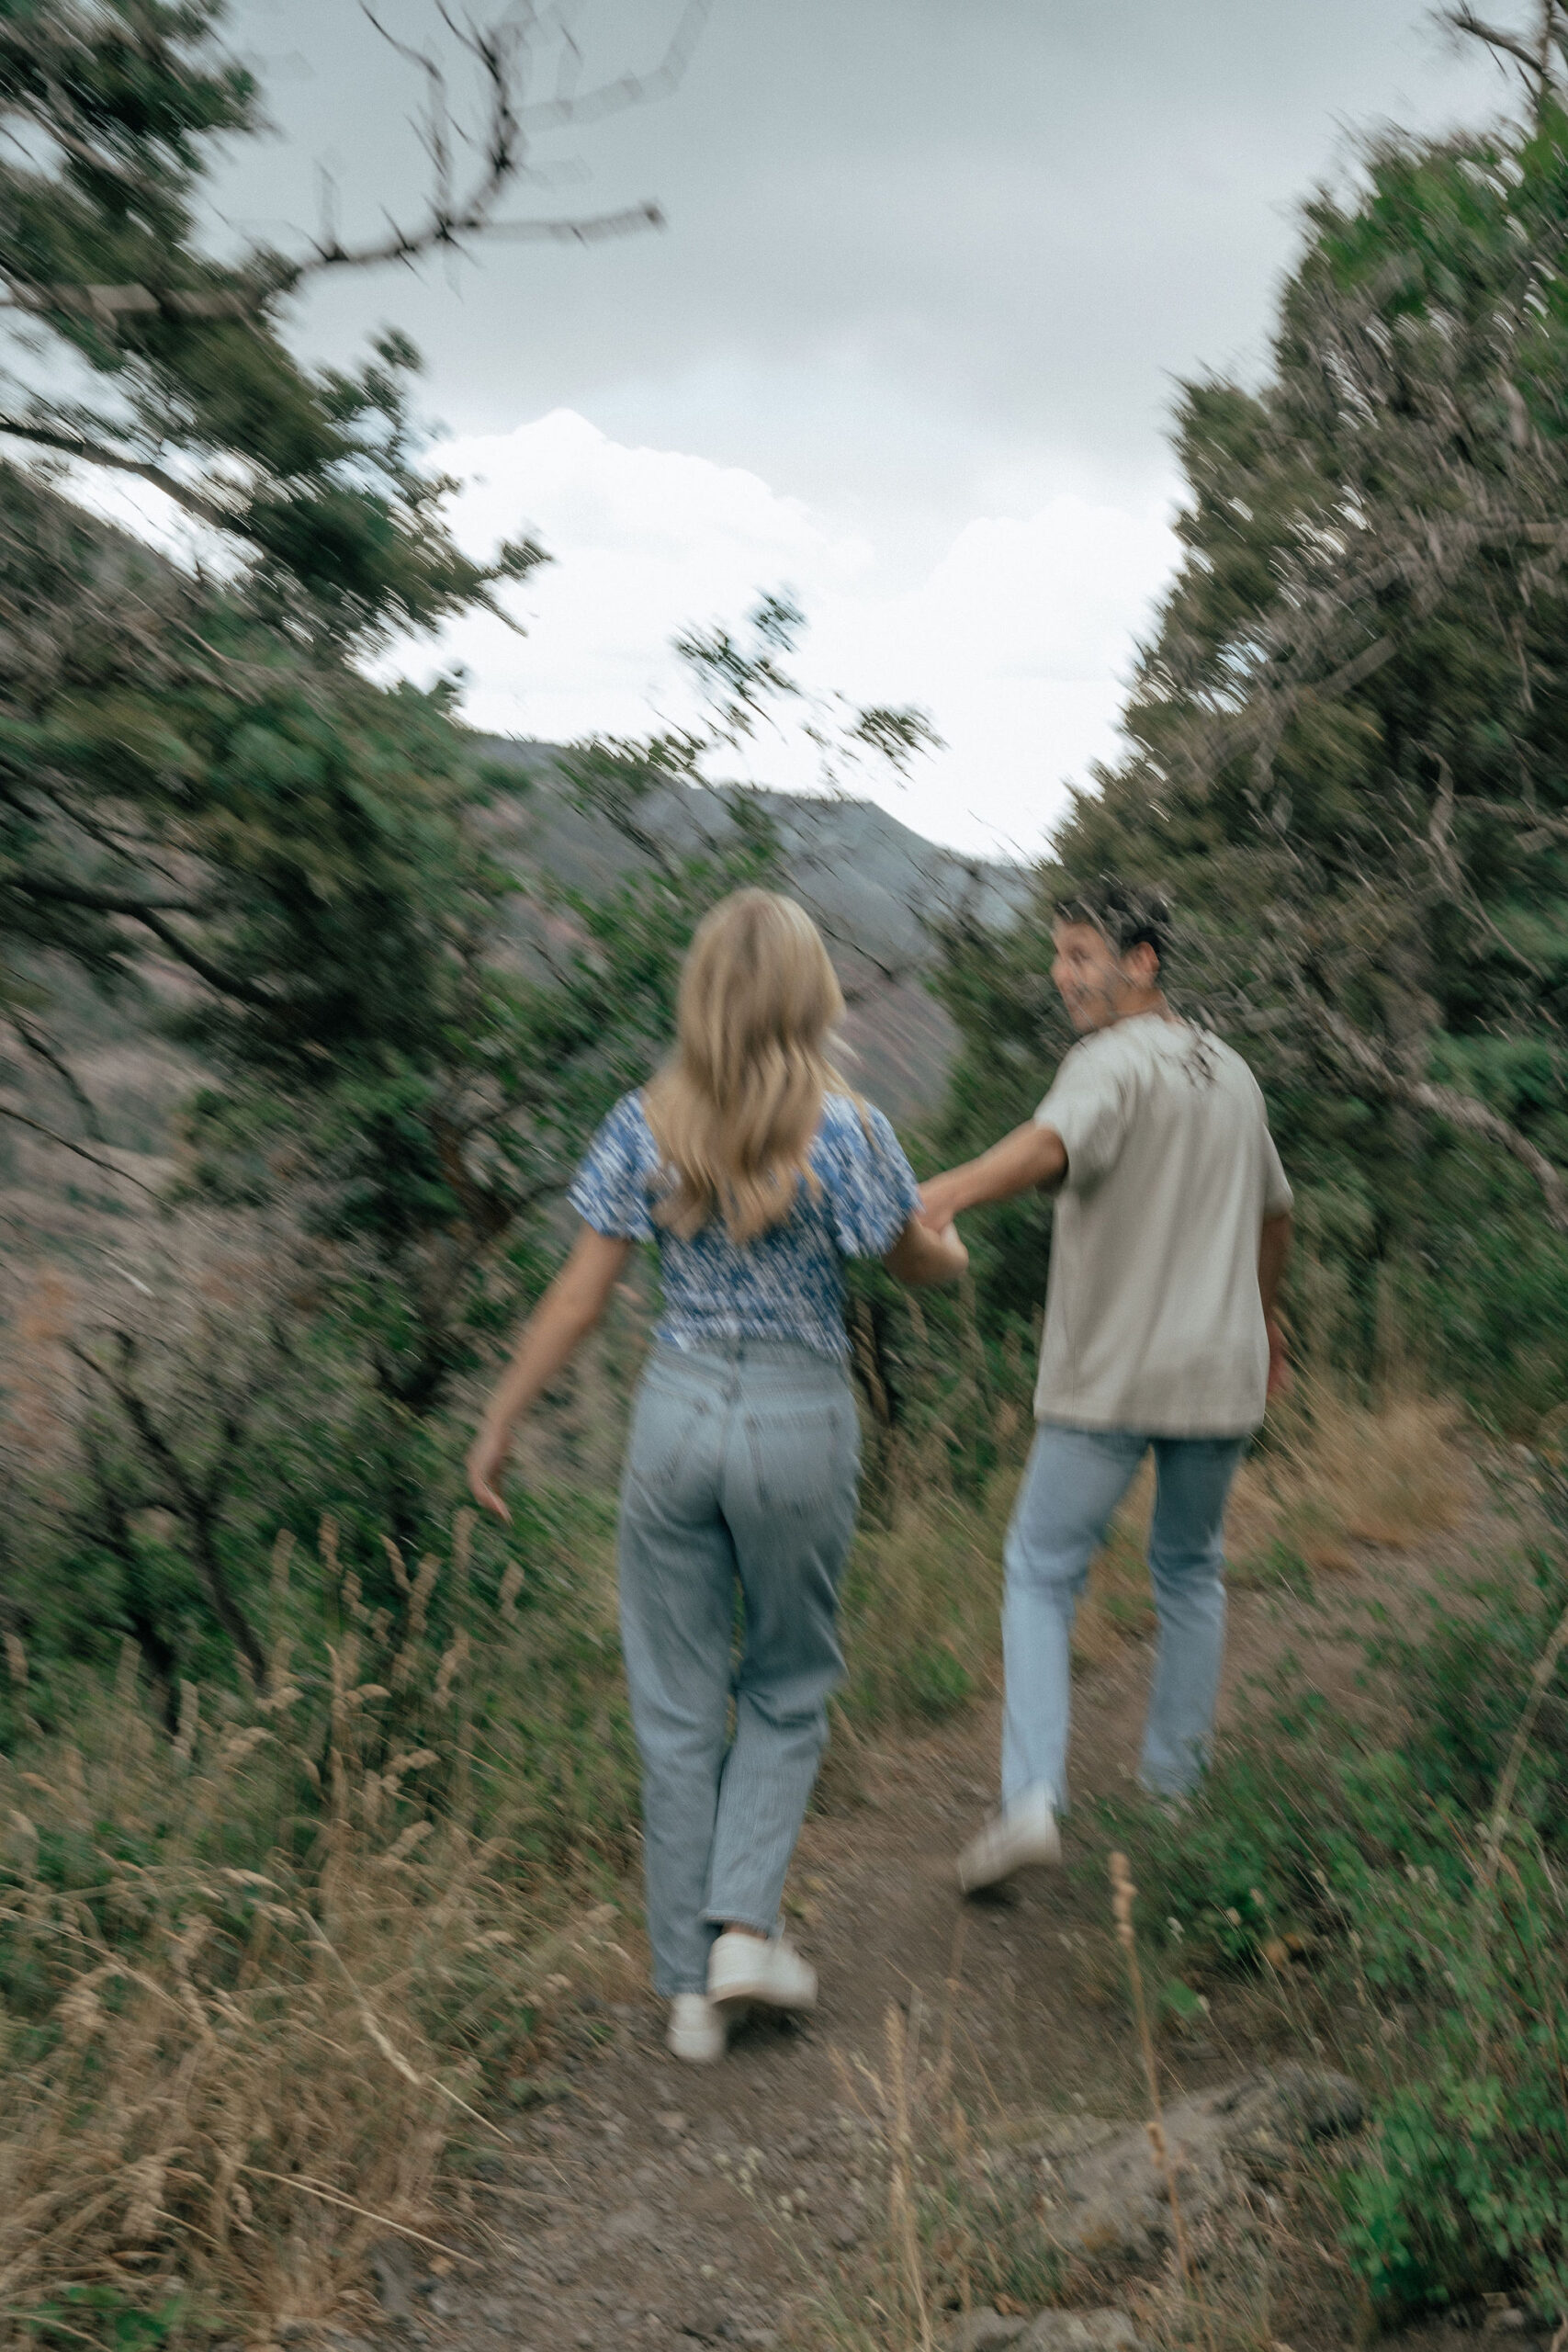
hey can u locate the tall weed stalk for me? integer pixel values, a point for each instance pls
(260, 1980)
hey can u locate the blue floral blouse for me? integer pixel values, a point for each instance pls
(789, 1283)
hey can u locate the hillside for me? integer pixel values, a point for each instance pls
(873, 885)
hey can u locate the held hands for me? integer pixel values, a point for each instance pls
(926, 1255)
(948, 1237)
(939, 1203)
(486, 1467)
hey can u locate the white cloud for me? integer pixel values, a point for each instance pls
(1017, 640)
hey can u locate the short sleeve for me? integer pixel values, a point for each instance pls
(1089, 1107)
(871, 1189)
(611, 1189)
(1278, 1197)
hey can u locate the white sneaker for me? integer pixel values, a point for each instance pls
(746, 1968)
(697, 2029)
(1021, 1833)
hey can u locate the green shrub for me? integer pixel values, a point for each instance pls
(1463, 1675)
(1463, 2187)
(1433, 1929)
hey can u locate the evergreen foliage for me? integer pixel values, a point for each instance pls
(178, 368)
(1347, 756)
(196, 773)
(403, 1056)
(1416, 1866)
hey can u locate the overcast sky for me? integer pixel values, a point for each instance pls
(909, 344)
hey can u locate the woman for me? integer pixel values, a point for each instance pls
(756, 1174)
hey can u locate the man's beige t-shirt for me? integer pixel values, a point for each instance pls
(1153, 1317)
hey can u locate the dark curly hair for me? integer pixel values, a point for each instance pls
(1128, 915)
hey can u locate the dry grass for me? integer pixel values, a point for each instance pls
(256, 1979)
(922, 1595)
(956, 2223)
(260, 1981)
(957, 2226)
(1271, 2276)
(1340, 1473)
(1334, 1474)
(922, 1603)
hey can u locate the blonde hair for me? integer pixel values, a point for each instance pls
(735, 1108)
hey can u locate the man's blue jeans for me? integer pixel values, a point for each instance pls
(1074, 1481)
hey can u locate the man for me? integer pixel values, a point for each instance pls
(1171, 1230)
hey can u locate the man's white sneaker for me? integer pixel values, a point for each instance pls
(696, 2031)
(746, 1968)
(1019, 1834)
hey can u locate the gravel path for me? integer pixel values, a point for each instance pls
(644, 2202)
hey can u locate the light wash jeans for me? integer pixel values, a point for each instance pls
(740, 1473)
(1074, 1481)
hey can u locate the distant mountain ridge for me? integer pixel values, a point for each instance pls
(875, 887)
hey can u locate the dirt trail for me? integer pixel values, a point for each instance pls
(647, 2205)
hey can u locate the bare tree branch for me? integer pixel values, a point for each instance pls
(1445, 858)
(630, 89)
(103, 902)
(592, 230)
(1446, 1102)
(34, 1043)
(226, 983)
(95, 453)
(1361, 665)
(1464, 19)
(20, 1119)
(195, 1503)
(107, 303)
(500, 53)
(1531, 821)
(150, 914)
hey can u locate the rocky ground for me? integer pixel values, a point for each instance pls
(640, 2202)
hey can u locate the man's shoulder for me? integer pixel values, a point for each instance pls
(1142, 1041)
(1187, 1045)
(1097, 1049)
(1152, 1048)
(1225, 1060)
(1100, 1059)
(1177, 1062)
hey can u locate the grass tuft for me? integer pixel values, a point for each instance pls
(261, 1980)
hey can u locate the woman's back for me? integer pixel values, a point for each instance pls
(756, 1175)
(787, 1283)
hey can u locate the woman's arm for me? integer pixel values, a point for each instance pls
(922, 1257)
(566, 1314)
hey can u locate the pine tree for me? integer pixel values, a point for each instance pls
(1349, 741)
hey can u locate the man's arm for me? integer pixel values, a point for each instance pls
(1030, 1157)
(1274, 1249)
